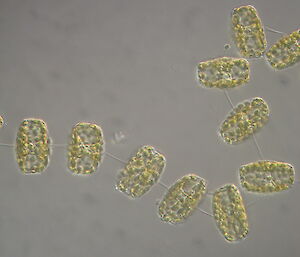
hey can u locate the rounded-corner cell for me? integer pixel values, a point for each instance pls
(141, 172)
(244, 120)
(32, 146)
(1, 121)
(182, 199)
(224, 72)
(285, 52)
(265, 176)
(248, 32)
(229, 213)
(85, 149)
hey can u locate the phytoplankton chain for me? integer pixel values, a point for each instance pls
(85, 149)
(114, 157)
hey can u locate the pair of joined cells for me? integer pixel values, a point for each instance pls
(85, 147)
(258, 177)
(249, 37)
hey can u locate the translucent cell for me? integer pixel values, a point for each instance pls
(182, 199)
(267, 176)
(1, 122)
(285, 52)
(224, 72)
(248, 32)
(85, 149)
(229, 213)
(244, 120)
(141, 172)
(32, 146)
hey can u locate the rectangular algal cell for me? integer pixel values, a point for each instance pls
(224, 72)
(32, 146)
(182, 199)
(267, 176)
(85, 149)
(285, 52)
(1, 122)
(141, 172)
(229, 213)
(248, 32)
(244, 120)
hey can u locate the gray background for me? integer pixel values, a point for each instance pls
(130, 66)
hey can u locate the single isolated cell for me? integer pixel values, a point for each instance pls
(85, 148)
(141, 172)
(285, 52)
(229, 213)
(244, 120)
(182, 199)
(32, 146)
(267, 176)
(248, 32)
(1, 121)
(224, 72)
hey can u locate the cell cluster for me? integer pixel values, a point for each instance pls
(141, 172)
(182, 199)
(230, 213)
(224, 72)
(32, 146)
(267, 176)
(244, 120)
(85, 148)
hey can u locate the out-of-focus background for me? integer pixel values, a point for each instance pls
(130, 66)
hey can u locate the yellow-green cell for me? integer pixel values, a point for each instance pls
(224, 72)
(85, 149)
(32, 146)
(285, 52)
(182, 199)
(1, 122)
(248, 32)
(141, 172)
(244, 120)
(267, 176)
(229, 213)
